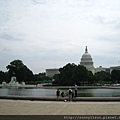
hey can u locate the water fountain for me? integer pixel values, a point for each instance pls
(14, 82)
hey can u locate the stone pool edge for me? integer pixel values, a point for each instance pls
(92, 99)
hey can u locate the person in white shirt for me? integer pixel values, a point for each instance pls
(76, 88)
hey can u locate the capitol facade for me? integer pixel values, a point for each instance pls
(86, 61)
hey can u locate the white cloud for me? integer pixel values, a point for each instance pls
(48, 32)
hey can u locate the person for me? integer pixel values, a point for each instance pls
(62, 94)
(70, 94)
(76, 90)
(58, 94)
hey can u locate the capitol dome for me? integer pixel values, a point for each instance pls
(86, 60)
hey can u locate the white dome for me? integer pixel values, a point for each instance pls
(86, 57)
(86, 60)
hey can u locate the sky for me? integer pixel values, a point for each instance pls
(51, 33)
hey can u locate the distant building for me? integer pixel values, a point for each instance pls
(87, 61)
(52, 72)
(99, 69)
(114, 68)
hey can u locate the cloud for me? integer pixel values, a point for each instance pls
(8, 36)
(48, 32)
(39, 1)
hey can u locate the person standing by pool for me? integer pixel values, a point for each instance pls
(76, 87)
(70, 94)
(62, 94)
(58, 94)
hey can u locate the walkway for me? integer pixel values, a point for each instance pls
(26, 107)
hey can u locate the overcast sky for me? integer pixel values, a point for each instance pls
(51, 33)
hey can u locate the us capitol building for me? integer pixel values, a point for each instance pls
(87, 62)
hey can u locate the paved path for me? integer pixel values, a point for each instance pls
(26, 107)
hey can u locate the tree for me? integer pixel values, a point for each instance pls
(2, 76)
(90, 78)
(18, 69)
(80, 75)
(71, 74)
(65, 75)
(102, 77)
(115, 76)
(39, 78)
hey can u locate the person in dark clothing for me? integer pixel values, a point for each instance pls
(70, 94)
(62, 94)
(58, 94)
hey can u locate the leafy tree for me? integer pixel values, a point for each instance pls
(18, 69)
(115, 76)
(7, 76)
(90, 78)
(39, 78)
(80, 75)
(65, 76)
(2, 76)
(71, 74)
(102, 77)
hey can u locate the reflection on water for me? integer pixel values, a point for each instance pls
(107, 92)
(99, 93)
(28, 92)
(42, 92)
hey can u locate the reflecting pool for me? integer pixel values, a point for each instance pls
(51, 92)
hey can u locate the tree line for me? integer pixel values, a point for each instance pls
(71, 74)
(68, 75)
(22, 73)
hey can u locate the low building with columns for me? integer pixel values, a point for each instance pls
(52, 72)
